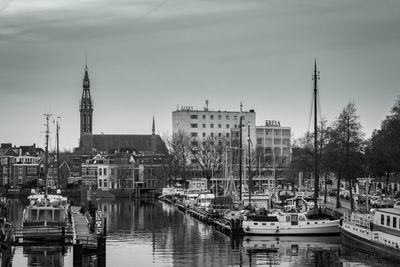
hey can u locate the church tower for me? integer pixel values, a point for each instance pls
(86, 106)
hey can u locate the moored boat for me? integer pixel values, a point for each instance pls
(288, 223)
(377, 232)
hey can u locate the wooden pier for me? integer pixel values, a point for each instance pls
(82, 234)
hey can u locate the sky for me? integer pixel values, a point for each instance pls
(146, 57)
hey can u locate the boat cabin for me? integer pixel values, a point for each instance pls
(388, 218)
(204, 200)
(44, 216)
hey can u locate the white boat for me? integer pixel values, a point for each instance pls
(46, 218)
(204, 200)
(377, 232)
(288, 223)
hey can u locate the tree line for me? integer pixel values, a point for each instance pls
(344, 152)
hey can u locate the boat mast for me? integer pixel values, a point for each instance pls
(46, 154)
(316, 176)
(240, 158)
(250, 182)
(58, 155)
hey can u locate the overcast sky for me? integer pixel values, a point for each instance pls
(145, 57)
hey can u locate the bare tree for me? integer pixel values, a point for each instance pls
(178, 162)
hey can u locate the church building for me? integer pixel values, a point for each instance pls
(109, 143)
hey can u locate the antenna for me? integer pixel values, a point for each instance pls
(241, 106)
(206, 108)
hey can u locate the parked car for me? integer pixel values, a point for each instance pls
(333, 192)
(375, 201)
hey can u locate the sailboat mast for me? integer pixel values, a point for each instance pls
(240, 158)
(46, 154)
(58, 156)
(316, 176)
(250, 181)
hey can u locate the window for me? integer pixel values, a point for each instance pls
(204, 117)
(211, 117)
(219, 117)
(227, 135)
(204, 134)
(193, 117)
(286, 141)
(227, 117)
(277, 141)
(394, 222)
(219, 134)
(100, 171)
(112, 171)
(105, 183)
(193, 134)
(277, 132)
(19, 170)
(235, 117)
(193, 125)
(204, 125)
(212, 134)
(227, 126)
(388, 220)
(105, 171)
(219, 126)
(286, 132)
(211, 125)
(259, 141)
(235, 125)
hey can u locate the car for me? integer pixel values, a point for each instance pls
(375, 201)
(396, 205)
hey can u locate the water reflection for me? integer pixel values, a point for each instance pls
(297, 250)
(45, 255)
(152, 233)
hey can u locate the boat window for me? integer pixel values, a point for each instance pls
(394, 222)
(387, 220)
(383, 219)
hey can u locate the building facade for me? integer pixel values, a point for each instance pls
(270, 152)
(200, 124)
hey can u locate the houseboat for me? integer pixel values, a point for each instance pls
(288, 223)
(377, 232)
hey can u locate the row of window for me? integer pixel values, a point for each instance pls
(390, 221)
(196, 143)
(195, 125)
(277, 141)
(284, 132)
(194, 134)
(204, 117)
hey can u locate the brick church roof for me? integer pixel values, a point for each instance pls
(148, 144)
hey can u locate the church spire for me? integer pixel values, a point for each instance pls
(86, 105)
(153, 130)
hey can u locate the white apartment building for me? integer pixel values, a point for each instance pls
(270, 148)
(201, 124)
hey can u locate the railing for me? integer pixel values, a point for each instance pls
(363, 220)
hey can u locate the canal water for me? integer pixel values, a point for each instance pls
(152, 233)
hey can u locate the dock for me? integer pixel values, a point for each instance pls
(82, 234)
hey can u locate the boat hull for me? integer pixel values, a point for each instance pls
(330, 228)
(369, 246)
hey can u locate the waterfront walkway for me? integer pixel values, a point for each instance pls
(82, 234)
